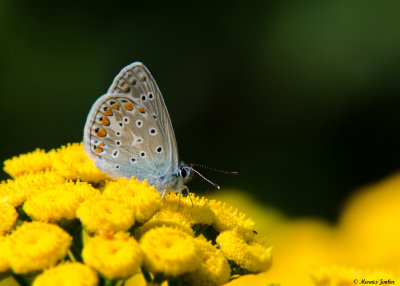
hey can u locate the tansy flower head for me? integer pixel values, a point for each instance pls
(67, 274)
(32, 162)
(214, 268)
(15, 192)
(196, 210)
(144, 200)
(250, 254)
(72, 163)
(228, 218)
(114, 256)
(36, 245)
(8, 217)
(105, 214)
(59, 202)
(4, 265)
(170, 251)
(165, 217)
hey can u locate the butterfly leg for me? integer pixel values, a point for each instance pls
(162, 197)
(187, 189)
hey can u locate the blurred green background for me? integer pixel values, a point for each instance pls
(300, 97)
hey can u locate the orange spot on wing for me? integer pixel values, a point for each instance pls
(115, 106)
(101, 133)
(101, 144)
(98, 149)
(108, 112)
(141, 109)
(105, 121)
(128, 106)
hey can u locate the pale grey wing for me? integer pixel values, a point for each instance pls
(125, 140)
(136, 82)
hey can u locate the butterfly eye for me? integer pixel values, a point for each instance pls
(184, 172)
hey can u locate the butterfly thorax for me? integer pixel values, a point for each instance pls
(175, 182)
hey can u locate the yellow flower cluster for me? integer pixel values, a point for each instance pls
(362, 248)
(66, 209)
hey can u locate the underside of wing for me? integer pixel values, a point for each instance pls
(136, 82)
(125, 139)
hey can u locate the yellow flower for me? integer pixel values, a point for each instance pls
(36, 245)
(105, 214)
(67, 274)
(15, 192)
(213, 270)
(250, 254)
(117, 256)
(170, 251)
(144, 200)
(298, 245)
(196, 210)
(165, 218)
(72, 163)
(59, 202)
(167, 245)
(230, 218)
(369, 226)
(8, 217)
(4, 265)
(32, 162)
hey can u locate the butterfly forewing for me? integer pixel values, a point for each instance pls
(136, 82)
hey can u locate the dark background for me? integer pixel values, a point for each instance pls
(301, 97)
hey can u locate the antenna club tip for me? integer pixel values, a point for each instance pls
(234, 173)
(218, 187)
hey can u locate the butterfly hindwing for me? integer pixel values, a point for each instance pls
(125, 140)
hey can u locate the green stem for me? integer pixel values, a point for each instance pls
(24, 280)
(71, 256)
(146, 275)
(110, 282)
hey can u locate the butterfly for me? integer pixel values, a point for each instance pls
(128, 132)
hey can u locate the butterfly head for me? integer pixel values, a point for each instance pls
(185, 172)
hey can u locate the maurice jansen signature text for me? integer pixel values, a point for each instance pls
(376, 282)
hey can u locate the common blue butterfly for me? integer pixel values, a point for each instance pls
(128, 133)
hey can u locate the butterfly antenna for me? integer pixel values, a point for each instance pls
(216, 170)
(207, 180)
